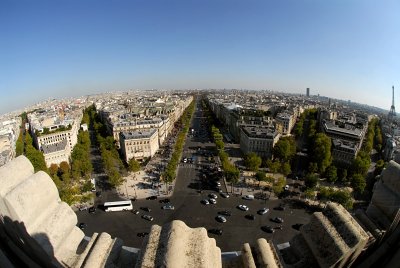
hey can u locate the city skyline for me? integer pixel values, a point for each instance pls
(343, 50)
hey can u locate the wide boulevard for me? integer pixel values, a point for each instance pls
(189, 190)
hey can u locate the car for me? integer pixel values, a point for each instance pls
(267, 229)
(205, 202)
(82, 225)
(248, 197)
(250, 217)
(279, 227)
(98, 193)
(83, 208)
(213, 196)
(168, 207)
(212, 201)
(286, 187)
(243, 207)
(277, 220)
(225, 213)
(146, 209)
(135, 211)
(218, 184)
(220, 218)
(147, 217)
(262, 211)
(224, 195)
(215, 231)
(142, 234)
(153, 197)
(166, 200)
(92, 210)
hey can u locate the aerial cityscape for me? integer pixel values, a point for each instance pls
(199, 134)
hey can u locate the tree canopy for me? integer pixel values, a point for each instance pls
(252, 161)
(285, 148)
(322, 151)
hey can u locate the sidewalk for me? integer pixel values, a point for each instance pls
(145, 183)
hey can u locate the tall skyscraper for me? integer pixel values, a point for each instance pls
(308, 92)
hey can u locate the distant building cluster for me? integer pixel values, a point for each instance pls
(141, 122)
(9, 133)
(258, 121)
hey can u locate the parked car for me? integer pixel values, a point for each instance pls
(287, 187)
(243, 207)
(262, 211)
(166, 200)
(248, 197)
(146, 209)
(225, 213)
(225, 195)
(212, 201)
(168, 207)
(82, 225)
(277, 220)
(82, 208)
(147, 217)
(142, 234)
(205, 202)
(213, 196)
(220, 218)
(250, 217)
(267, 229)
(92, 210)
(153, 197)
(135, 211)
(215, 231)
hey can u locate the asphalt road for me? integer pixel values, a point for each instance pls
(188, 208)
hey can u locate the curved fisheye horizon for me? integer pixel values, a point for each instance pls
(342, 50)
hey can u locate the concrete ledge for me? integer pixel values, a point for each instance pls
(27, 201)
(11, 175)
(265, 255)
(99, 252)
(247, 257)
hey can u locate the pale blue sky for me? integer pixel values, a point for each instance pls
(341, 49)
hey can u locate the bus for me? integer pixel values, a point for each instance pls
(118, 206)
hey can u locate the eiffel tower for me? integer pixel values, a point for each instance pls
(392, 112)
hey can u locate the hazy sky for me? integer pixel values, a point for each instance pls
(341, 49)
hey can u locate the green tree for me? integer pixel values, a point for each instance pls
(252, 161)
(134, 165)
(277, 188)
(53, 169)
(343, 175)
(309, 193)
(286, 168)
(322, 151)
(260, 176)
(331, 174)
(380, 164)
(358, 182)
(313, 167)
(273, 166)
(311, 180)
(19, 146)
(285, 148)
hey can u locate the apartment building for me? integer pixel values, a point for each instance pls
(56, 153)
(346, 140)
(139, 144)
(51, 130)
(258, 139)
